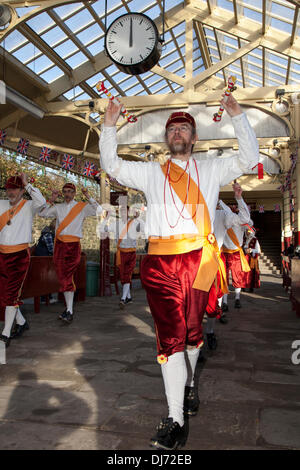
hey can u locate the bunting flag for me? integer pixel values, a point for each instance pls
(22, 146)
(67, 161)
(277, 208)
(88, 169)
(45, 154)
(261, 209)
(2, 136)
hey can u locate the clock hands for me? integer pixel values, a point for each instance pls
(130, 33)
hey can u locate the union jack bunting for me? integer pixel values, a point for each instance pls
(45, 154)
(22, 146)
(89, 169)
(54, 155)
(2, 136)
(67, 162)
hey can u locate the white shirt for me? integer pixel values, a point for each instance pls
(239, 227)
(254, 251)
(149, 178)
(60, 211)
(224, 220)
(20, 229)
(134, 232)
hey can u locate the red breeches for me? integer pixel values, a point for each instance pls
(13, 271)
(233, 264)
(215, 293)
(66, 259)
(177, 308)
(127, 266)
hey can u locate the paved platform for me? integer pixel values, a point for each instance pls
(96, 385)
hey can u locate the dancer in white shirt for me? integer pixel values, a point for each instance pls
(16, 218)
(182, 263)
(69, 217)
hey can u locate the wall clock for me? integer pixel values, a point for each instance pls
(133, 44)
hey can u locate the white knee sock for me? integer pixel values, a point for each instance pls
(126, 289)
(191, 362)
(69, 296)
(225, 297)
(10, 313)
(175, 374)
(19, 318)
(237, 292)
(210, 325)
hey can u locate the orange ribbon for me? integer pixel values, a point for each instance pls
(125, 250)
(67, 220)
(10, 214)
(205, 239)
(234, 239)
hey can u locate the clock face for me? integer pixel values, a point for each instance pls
(131, 39)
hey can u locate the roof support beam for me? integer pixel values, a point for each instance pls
(199, 31)
(188, 53)
(293, 35)
(225, 62)
(45, 48)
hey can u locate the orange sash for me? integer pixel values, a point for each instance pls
(196, 205)
(254, 263)
(13, 248)
(125, 250)
(67, 220)
(5, 217)
(234, 239)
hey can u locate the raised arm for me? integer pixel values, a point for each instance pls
(93, 208)
(38, 200)
(50, 209)
(244, 213)
(248, 155)
(131, 174)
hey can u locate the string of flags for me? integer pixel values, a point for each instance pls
(287, 185)
(67, 162)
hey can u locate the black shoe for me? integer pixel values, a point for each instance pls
(19, 330)
(5, 340)
(251, 289)
(66, 316)
(191, 401)
(211, 341)
(223, 319)
(237, 303)
(128, 300)
(122, 303)
(225, 308)
(169, 435)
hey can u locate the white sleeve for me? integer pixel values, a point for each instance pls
(92, 208)
(230, 218)
(248, 155)
(244, 213)
(256, 249)
(48, 211)
(131, 174)
(38, 200)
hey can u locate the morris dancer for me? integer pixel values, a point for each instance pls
(224, 220)
(69, 216)
(16, 218)
(182, 262)
(252, 250)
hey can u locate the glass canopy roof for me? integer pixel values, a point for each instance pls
(64, 38)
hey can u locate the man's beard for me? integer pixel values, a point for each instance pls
(180, 148)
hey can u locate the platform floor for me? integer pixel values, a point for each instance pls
(96, 385)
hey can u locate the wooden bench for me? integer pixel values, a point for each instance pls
(41, 280)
